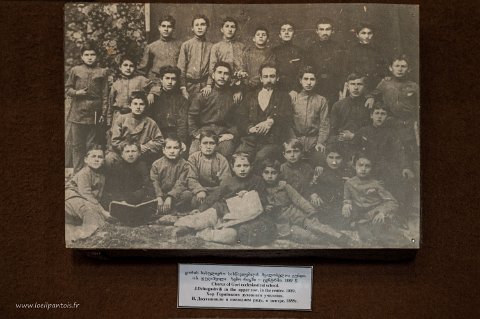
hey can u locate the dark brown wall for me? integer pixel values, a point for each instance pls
(442, 282)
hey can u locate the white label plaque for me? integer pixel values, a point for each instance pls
(253, 287)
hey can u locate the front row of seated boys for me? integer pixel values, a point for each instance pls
(338, 199)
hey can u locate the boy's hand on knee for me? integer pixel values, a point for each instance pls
(347, 210)
(167, 204)
(159, 204)
(201, 196)
(81, 92)
(316, 200)
(379, 218)
(225, 137)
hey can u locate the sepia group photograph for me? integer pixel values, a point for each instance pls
(242, 126)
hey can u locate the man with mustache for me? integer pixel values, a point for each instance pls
(267, 117)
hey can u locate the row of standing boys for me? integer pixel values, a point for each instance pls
(327, 137)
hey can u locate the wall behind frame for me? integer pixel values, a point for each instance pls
(397, 29)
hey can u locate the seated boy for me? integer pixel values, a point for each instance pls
(207, 168)
(369, 207)
(207, 221)
(383, 146)
(256, 55)
(169, 178)
(136, 127)
(311, 123)
(83, 212)
(169, 108)
(295, 171)
(128, 82)
(129, 180)
(87, 86)
(329, 183)
(288, 208)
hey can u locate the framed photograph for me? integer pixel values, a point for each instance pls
(206, 127)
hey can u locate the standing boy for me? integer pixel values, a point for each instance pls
(87, 85)
(289, 57)
(215, 112)
(194, 58)
(326, 56)
(364, 58)
(401, 99)
(255, 56)
(162, 52)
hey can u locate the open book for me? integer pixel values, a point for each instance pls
(133, 215)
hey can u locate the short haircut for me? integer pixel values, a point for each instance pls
(360, 155)
(293, 143)
(200, 16)
(290, 23)
(265, 65)
(239, 155)
(324, 20)
(172, 139)
(307, 69)
(94, 147)
(334, 148)
(400, 57)
(363, 25)
(208, 133)
(89, 46)
(169, 69)
(127, 57)
(270, 162)
(229, 19)
(261, 28)
(138, 95)
(129, 142)
(355, 76)
(378, 105)
(167, 18)
(224, 64)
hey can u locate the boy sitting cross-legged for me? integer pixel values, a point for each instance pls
(169, 177)
(207, 168)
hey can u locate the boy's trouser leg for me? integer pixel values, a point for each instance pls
(313, 225)
(184, 201)
(83, 136)
(223, 236)
(199, 221)
(82, 218)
